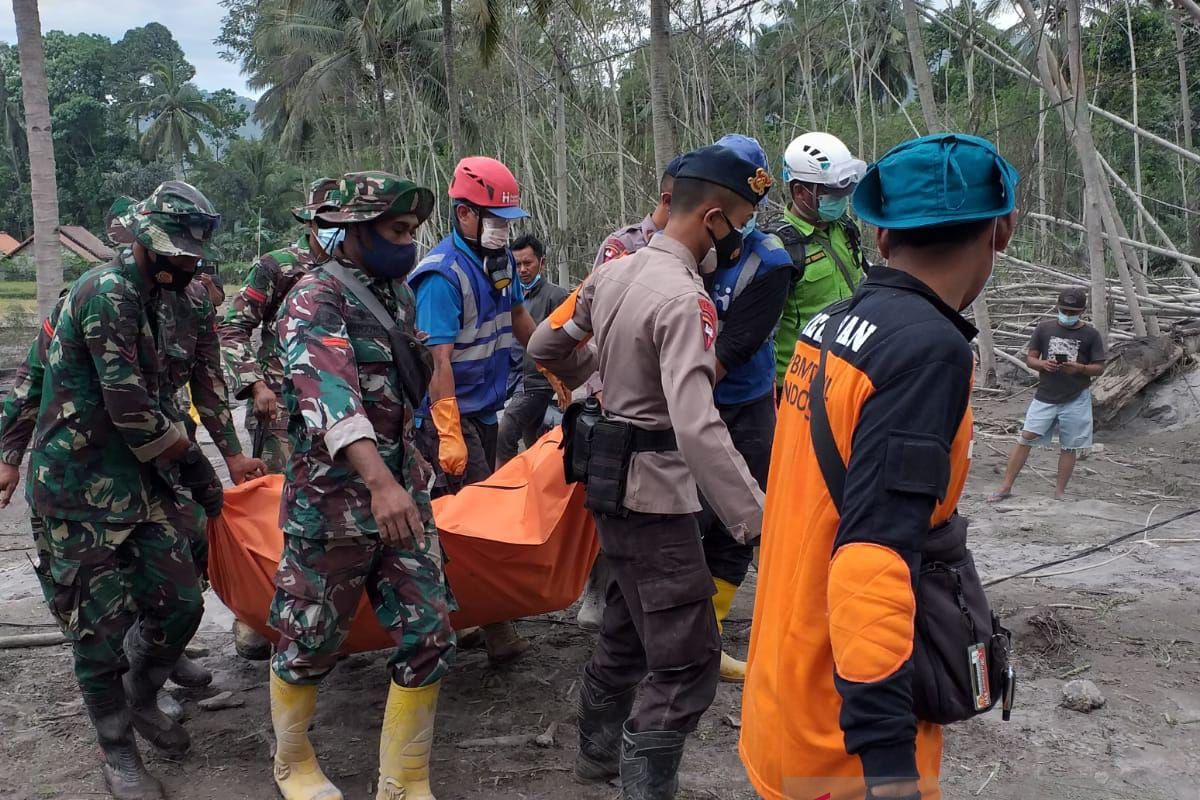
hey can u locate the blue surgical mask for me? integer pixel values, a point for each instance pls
(750, 226)
(330, 238)
(830, 208)
(532, 283)
(1069, 320)
(385, 259)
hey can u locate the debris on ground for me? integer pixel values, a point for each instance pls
(1082, 695)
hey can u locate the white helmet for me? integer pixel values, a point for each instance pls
(821, 158)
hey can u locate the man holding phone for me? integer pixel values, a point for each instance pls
(1069, 353)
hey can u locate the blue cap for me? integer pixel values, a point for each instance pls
(942, 179)
(724, 167)
(748, 148)
(507, 212)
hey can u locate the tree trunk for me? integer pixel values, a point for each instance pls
(1191, 7)
(1137, 142)
(560, 166)
(1095, 242)
(453, 112)
(1185, 102)
(660, 88)
(921, 66)
(43, 183)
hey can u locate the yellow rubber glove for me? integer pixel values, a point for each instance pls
(452, 448)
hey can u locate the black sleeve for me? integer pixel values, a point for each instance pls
(1037, 342)
(899, 469)
(752, 317)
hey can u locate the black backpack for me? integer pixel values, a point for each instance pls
(960, 650)
(796, 245)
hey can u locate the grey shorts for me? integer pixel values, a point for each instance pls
(1072, 420)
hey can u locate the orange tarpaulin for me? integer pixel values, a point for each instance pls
(517, 545)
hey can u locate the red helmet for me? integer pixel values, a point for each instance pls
(487, 183)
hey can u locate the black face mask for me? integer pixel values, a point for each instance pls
(167, 275)
(729, 246)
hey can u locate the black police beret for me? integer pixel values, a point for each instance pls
(673, 167)
(722, 166)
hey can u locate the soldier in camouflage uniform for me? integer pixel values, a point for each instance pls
(356, 510)
(106, 455)
(259, 376)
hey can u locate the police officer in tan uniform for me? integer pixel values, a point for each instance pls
(654, 328)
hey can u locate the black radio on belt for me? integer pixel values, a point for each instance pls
(598, 449)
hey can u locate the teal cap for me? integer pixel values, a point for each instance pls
(942, 179)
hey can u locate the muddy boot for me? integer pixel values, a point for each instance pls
(591, 612)
(125, 776)
(650, 764)
(249, 643)
(504, 644)
(297, 773)
(168, 705)
(406, 742)
(149, 667)
(602, 718)
(189, 674)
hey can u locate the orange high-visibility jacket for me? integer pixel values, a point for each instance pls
(828, 700)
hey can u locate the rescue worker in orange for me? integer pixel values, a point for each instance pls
(827, 707)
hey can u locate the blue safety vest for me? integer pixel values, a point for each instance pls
(481, 350)
(761, 253)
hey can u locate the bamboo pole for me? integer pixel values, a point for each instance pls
(1162, 251)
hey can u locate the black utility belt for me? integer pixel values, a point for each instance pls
(597, 450)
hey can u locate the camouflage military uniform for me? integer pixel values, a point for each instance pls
(191, 353)
(341, 385)
(105, 508)
(257, 306)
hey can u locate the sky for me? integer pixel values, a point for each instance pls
(194, 23)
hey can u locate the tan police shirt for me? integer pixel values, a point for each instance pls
(654, 328)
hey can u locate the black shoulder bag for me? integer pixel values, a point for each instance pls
(413, 360)
(960, 650)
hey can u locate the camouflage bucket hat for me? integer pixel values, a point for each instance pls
(365, 196)
(116, 226)
(321, 192)
(175, 220)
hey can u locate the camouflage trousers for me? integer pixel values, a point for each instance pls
(318, 588)
(100, 578)
(276, 447)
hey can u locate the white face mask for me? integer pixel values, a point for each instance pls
(494, 235)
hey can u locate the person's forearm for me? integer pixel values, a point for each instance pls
(1094, 370)
(523, 325)
(364, 456)
(441, 385)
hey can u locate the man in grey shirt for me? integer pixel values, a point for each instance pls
(1068, 353)
(525, 411)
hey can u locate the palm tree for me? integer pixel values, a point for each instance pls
(43, 185)
(176, 110)
(321, 54)
(660, 89)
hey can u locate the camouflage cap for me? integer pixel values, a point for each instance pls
(175, 220)
(321, 192)
(365, 196)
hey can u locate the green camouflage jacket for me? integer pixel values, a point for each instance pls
(20, 412)
(257, 305)
(101, 419)
(191, 351)
(340, 385)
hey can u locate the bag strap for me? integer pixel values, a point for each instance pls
(364, 295)
(833, 469)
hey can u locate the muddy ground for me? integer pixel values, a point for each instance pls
(1126, 618)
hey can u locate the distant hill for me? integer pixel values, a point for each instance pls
(251, 130)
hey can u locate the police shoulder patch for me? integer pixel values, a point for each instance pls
(708, 321)
(614, 248)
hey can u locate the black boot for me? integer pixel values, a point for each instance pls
(149, 667)
(124, 774)
(189, 674)
(650, 764)
(601, 718)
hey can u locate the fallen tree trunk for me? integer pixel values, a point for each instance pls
(1132, 365)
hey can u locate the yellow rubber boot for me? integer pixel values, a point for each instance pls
(732, 670)
(297, 773)
(405, 743)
